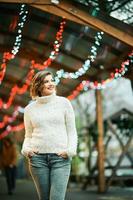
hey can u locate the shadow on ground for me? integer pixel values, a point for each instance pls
(25, 191)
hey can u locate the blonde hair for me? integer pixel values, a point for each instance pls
(37, 83)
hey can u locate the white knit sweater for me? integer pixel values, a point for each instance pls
(50, 126)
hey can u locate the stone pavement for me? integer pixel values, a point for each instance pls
(25, 191)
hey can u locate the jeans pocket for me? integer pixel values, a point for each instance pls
(33, 156)
(69, 159)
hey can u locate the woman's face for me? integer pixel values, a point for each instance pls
(49, 86)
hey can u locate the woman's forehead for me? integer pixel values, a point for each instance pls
(48, 77)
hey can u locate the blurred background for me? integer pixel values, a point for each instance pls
(88, 46)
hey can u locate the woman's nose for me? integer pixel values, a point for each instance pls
(51, 83)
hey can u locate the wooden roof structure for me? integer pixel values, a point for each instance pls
(81, 27)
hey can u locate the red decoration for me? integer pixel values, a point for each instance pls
(13, 23)
(7, 56)
(16, 90)
(10, 129)
(9, 119)
(96, 84)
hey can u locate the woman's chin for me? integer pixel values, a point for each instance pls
(49, 92)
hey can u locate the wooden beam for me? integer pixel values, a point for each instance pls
(101, 156)
(72, 13)
(27, 1)
(69, 29)
(59, 12)
(97, 23)
(49, 7)
(68, 10)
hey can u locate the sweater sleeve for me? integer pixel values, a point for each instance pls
(71, 130)
(28, 134)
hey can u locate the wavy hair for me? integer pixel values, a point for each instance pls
(37, 83)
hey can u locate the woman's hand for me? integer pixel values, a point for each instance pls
(63, 154)
(31, 153)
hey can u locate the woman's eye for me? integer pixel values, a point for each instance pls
(52, 80)
(45, 81)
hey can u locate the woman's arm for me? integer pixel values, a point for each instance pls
(28, 134)
(71, 130)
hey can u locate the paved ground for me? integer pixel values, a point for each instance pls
(25, 191)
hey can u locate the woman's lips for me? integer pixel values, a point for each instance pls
(50, 88)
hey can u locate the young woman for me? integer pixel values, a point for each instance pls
(50, 138)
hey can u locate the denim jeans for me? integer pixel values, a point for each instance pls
(50, 174)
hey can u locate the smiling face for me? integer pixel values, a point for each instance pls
(48, 86)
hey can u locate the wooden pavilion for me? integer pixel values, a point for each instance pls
(78, 36)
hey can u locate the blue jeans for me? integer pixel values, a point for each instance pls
(50, 174)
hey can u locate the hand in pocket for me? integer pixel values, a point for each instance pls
(63, 154)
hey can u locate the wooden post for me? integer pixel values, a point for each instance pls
(99, 116)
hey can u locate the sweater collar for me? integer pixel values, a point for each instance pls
(46, 99)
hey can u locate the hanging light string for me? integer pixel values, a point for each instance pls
(23, 15)
(85, 85)
(10, 129)
(89, 84)
(7, 55)
(16, 90)
(85, 67)
(10, 119)
(54, 52)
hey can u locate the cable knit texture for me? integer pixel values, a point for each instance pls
(50, 126)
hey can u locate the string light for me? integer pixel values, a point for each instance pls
(10, 119)
(62, 74)
(23, 15)
(7, 55)
(89, 84)
(10, 129)
(54, 52)
(85, 85)
(16, 90)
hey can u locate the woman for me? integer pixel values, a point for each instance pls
(9, 162)
(50, 138)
